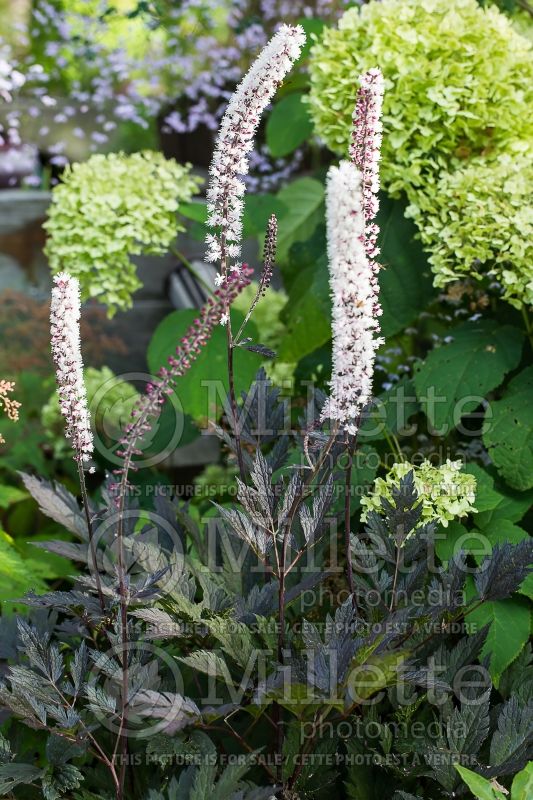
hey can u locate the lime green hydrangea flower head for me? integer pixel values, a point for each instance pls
(110, 208)
(458, 83)
(444, 492)
(480, 223)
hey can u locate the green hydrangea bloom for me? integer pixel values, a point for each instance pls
(110, 208)
(458, 83)
(444, 492)
(480, 223)
(110, 400)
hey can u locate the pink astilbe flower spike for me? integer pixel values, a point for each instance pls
(66, 353)
(355, 305)
(195, 338)
(235, 141)
(365, 150)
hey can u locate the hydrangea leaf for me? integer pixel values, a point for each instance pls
(207, 379)
(509, 434)
(478, 785)
(494, 503)
(456, 376)
(405, 280)
(288, 126)
(522, 787)
(509, 622)
(303, 199)
(391, 411)
(308, 317)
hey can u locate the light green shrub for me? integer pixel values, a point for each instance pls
(110, 208)
(479, 223)
(458, 84)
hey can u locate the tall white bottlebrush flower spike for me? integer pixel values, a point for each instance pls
(353, 291)
(351, 206)
(66, 353)
(235, 141)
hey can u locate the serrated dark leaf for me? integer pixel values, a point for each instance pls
(259, 348)
(501, 573)
(57, 503)
(513, 739)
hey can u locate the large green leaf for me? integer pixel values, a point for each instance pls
(478, 785)
(509, 434)
(456, 376)
(288, 126)
(509, 622)
(391, 412)
(405, 280)
(206, 381)
(258, 208)
(522, 788)
(303, 199)
(494, 503)
(308, 317)
(10, 495)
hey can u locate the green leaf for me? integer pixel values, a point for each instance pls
(17, 574)
(209, 371)
(509, 622)
(405, 281)
(288, 126)
(391, 412)
(308, 321)
(509, 434)
(195, 210)
(258, 209)
(493, 503)
(303, 199)
(313, 27)
(10, 495)
(14, 774)
(451, 540)
(478, 785)
(522, 788)
(456, 376)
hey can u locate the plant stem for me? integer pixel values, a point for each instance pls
(85, 500)
(395, 579)
(347, 517)
(233, 401)
(121, 744)
(283, 572)
(187, 264)
(529, 326)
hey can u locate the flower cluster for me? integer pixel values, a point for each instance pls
(479, 224)
(459, 80)
(195, 338)
(235, 141)
(445, 493)
(112, 207)
(10, 80)
(66, 353)
(11, 406)
(365, 150)
(354, 295)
